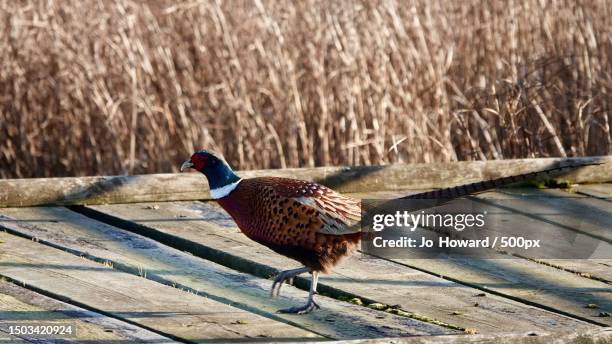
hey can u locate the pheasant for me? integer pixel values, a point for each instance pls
(303, 220)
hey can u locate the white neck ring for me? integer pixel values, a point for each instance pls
(224, 190)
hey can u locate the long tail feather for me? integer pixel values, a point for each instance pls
(478, 187)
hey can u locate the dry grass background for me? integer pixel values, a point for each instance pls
(125, 86)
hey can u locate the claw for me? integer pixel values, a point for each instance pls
(305, 309)
(278, 283)
(286, 275)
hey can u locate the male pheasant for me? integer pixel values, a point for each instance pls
(302, 220)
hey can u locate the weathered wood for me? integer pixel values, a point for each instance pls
(7, 338)
(596, 190)
(20, 306)
(553, 213)
(595, 336)
(193, 186)
(163, 309)
(204, 229)
(549, 214)
(525, 280)
(566, 212)
(131, 252)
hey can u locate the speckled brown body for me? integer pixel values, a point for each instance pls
(301, 220)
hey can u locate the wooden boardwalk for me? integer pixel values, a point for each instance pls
(167, 268)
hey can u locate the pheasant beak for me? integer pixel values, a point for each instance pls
(186, 165)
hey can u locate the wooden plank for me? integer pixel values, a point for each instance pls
(525, 280)
(131, 252)
(559, 214)
(565, 211)
(193, 186)
(595, 336)
(553, 213)
(204, 229)
(20, 306)
(7, 338)
(596, 190)
(162, 309)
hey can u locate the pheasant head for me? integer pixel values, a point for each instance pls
(221, 178)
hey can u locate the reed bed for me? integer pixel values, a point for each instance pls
(124, 86)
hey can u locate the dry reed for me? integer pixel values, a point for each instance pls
(126, 86)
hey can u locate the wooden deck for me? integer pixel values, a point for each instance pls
(179, 270)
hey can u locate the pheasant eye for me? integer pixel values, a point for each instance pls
(199, 161)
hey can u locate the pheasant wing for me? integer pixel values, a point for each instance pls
(339, 214)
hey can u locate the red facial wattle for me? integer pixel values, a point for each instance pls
(199, 161)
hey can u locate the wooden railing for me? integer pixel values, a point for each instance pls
(193, 186)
